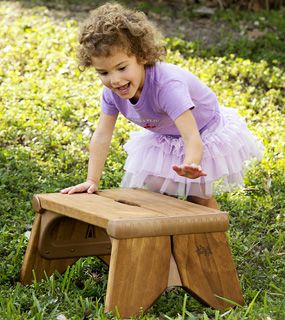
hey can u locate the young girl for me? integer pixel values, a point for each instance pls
(188, 141)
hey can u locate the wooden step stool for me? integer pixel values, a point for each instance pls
(150, 241)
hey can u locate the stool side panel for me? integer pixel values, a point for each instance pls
(139, 270)
(207, 269)
(31, 251)
(65, 237)
(34, 265)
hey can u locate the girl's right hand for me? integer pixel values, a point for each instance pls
(89, 186)
(192, 171)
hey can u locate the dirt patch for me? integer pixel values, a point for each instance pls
(200, 28)
(204, 30)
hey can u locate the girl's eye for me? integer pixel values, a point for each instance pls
(122, 68)
(102, 73)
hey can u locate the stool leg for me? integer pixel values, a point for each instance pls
(207, 269)
(138, 274)
(33, 261)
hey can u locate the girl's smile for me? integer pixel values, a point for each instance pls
(121, 73)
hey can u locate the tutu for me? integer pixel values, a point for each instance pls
(228, 145)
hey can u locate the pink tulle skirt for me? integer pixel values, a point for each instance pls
(228, 146)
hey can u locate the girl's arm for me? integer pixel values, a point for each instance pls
(99, 147)
(193, 146)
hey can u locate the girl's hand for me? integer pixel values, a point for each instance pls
(89, 186)
(191, 171)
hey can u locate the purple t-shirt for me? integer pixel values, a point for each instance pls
(168, 91)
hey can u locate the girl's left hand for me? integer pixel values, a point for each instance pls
(192, 171)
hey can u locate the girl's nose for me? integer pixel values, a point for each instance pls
(115, 80)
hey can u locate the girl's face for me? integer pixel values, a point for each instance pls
(122, 73)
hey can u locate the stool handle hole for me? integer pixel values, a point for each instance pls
(129, 203)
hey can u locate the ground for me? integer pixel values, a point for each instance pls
(191, 26)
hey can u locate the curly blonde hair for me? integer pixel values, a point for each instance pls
(113, 25)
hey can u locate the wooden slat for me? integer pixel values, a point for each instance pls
(90, 208)
(148, 203)
(166, 226)
(128, 213)
(161, 204)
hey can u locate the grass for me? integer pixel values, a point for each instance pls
(48, 110)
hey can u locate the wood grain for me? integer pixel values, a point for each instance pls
(64, 237)
(207, 269)
(156, 241)
(138, 274)
(34, 262)
(133, 213)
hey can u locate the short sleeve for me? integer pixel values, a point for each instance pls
(107, 103)
(174, 99)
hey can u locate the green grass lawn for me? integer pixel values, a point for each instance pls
(48, 110)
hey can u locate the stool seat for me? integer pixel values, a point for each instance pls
(125, 215)
(150, 242)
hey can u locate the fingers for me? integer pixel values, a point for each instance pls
(191, 171)
(194, 168)
(66, 190)
(75, 189)
(71, 190)
(177, 169)
(93, 188)
(82, 187)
